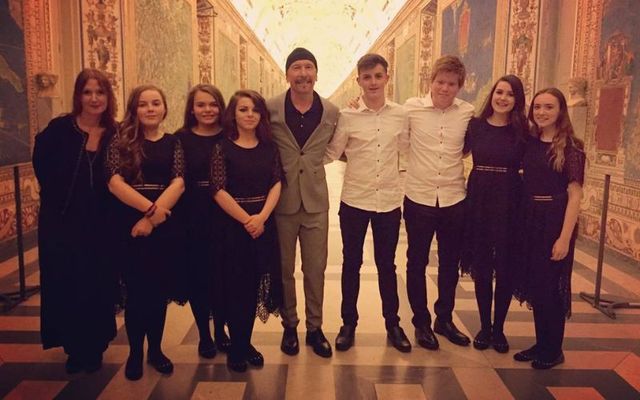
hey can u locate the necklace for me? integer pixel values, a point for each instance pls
(91, 158)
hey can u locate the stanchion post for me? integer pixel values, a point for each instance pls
(603, 238)
(19, 232)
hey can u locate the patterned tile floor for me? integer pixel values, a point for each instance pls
(602, 355)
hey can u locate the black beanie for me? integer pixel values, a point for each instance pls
(300, 53)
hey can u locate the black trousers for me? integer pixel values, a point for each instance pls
(421, 223)
(385, 227)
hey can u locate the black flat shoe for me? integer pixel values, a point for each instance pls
(236, 366)
(133, 369)
(398, 339)
(451, 332)
(289, 344)
(541, 364)
(223, 343)
(482, 341)
(160, 362)
(345, 338)
(73, 365)
(527, 355)
(93, 364)
(207, 349)
(499, 342)
(426, 338)
(319, 343)
(254, 357)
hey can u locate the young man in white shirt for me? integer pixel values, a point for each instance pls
(434, 198)
(369, 137)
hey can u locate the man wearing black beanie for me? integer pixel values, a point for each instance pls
(302, 123)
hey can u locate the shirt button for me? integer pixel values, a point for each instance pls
(302, 153)
(300, 171)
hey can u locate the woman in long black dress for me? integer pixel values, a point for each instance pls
(145, 170)
(78, 283)
(496, 139)
(246, 175)
(199, 134)
(553, 177)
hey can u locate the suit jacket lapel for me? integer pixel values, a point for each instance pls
(283, 120)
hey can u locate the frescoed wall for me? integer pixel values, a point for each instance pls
(14, 109)
(619, 72)
(227, 65)
(165, 51)
(613, 119)
(405, 76)
(468, 28)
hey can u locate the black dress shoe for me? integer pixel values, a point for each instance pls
(482, 341)
(236, 366)
(449, 330)
(426, 338)
(254, 357)
(345, 337)
(527, 355)
(319, 343)
(398, 339)
(499, 342)
(133, 369)
(73, 365)
(207, 349)
(289, 344)
(546, 364)
(223, 343)
(160, 362)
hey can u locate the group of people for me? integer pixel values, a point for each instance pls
(213, 214)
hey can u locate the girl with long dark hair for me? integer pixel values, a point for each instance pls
(246, 175)
(199, 134)
(496, 140)
(145, 168)
(553, 177)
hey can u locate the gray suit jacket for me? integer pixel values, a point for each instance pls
(303, 168)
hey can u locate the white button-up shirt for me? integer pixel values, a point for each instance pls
(435, 172)
(370, 140)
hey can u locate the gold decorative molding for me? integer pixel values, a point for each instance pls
(523, 41)
(101, 26)
(427, 34)
(205, 43)
(38, 55)
(391, 59)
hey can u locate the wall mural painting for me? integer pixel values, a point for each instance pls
(405, 70)
(14, 109)
(227, 65)
(470, 24)
(102, 41)
(254, 75)
(164, 47)
(30, 202)
(618, 73)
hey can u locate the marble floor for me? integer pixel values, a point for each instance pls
(602, 354)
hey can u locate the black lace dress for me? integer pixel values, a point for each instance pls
(544, 205)
(248, 264)
(494, 191)
(153, 264)
(202, 216)
(78, 281)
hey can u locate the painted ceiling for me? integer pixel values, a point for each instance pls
(338, 33)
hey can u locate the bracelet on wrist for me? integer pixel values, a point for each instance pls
(151, 210)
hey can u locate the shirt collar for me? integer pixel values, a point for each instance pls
(427, 101)
(362, 107)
